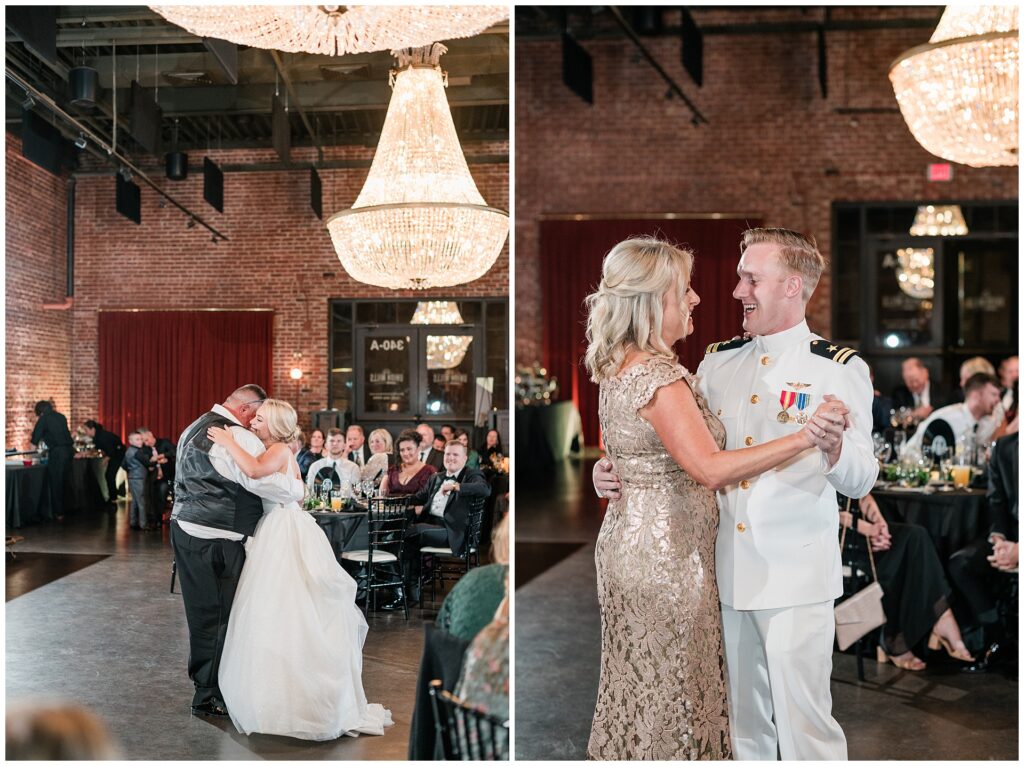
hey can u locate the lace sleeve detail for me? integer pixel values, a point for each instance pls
(658, 373)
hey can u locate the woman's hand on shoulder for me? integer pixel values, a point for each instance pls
(218, 435)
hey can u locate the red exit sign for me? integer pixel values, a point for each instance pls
(940, 171)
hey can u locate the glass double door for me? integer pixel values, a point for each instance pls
(417, 373)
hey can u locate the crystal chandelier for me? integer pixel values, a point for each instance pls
(958, 93)
(333, 30)
(916, 272)
(939, 221)
(443, 351)
(419, 220)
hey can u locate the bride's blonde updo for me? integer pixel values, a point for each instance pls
(281, 420)
(627, 308)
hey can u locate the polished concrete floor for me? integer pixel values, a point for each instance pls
(939, 714)
(110, 636)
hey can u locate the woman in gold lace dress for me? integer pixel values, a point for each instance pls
(662, 691)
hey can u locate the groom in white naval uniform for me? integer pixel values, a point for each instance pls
(777, 554)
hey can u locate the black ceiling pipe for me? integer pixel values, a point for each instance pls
(85, 86)
(177, 165)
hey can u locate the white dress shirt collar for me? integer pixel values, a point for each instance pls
(780, 341)
(220, 409)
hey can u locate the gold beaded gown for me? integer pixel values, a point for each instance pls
(662, 691)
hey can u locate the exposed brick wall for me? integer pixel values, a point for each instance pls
(277, 256)
(38, 342)
(774, 147)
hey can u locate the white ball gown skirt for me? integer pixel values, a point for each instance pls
(293, 657)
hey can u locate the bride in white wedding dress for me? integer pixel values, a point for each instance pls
(293, 657)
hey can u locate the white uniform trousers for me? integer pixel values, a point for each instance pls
(779, 664)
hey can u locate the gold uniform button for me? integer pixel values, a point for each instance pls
(741, 527)
(719, 413)
(755, 399)
(749, 440)
(744, 484)
(765, 360)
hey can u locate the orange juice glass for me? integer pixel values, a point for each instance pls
(961, 476)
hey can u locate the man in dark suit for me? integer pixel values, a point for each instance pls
(359, 451)
(109, 444)
(979, 568)
(52, 429)
(162, 453)
(446, 502)
(429, 454)
(917, 391)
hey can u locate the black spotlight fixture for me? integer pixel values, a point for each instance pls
(177, 165)
(85, 86)
(29, 103)
(176, 162)
(80, 142)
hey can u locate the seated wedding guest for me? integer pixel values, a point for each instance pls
(484, 680)
(112, 447)
(915, 592)
(492, 446)
(462, 436)
(917, 391)
(471, 604)
(972, 416)
(358, 450)
(881, 409)
(137, 465)
(429, 451)
(1009, 372)
(312, 453)
(442, 510)
(52, 429)
(334, 466)
(163, 456)
(381, 449)
(297, 444)
(447, 432)
(410, 475)
(44, 730)
(979, 568)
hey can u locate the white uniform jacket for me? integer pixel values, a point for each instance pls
(778, 534)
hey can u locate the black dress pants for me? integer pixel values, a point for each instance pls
(58, 465)
(208, 571)
(423, 534)
(977, 580)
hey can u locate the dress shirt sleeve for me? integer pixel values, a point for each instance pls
(702, 371)
(277, 488)
(855, 472)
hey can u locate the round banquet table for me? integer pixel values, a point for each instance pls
(952, 519)
(347, 530)
(27, 495)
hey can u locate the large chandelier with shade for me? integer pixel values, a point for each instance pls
(333, 30)
(958, 93)
(419, 221)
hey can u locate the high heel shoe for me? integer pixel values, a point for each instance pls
(912, 663)
(957, 651)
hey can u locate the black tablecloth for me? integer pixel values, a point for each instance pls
(347, 531)
(544, 434)
(953, 519)
(28, 495)
(87, 482)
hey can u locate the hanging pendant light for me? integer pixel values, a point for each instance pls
(939, 221)
(419, 221)
(333, 30)
(958, 94)
(444, 352)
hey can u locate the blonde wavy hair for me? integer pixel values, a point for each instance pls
(626, 311)
(384, 434)
(282, 422)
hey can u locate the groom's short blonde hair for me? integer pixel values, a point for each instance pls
(798, 254)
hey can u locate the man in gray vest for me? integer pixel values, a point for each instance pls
(216, 508)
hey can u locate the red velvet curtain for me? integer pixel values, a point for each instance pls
(571, 253)
(163, 369)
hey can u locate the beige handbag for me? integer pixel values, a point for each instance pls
(862, 612)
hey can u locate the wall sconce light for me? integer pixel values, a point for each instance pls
(296, 373)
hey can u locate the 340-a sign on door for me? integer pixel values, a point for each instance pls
(387, 344)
